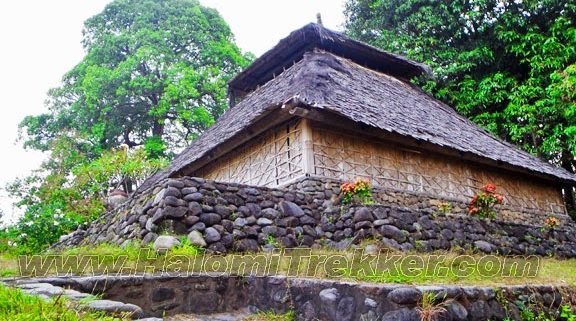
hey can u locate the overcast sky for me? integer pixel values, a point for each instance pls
(41, 41)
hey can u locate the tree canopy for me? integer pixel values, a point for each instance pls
(154, 77)
(154, 74)
(510, 66)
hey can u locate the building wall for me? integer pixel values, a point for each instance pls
(272, 159)
(284, 153)
(347, 157)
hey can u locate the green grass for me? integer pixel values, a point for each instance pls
(8, 266)
(131, 251)
(185, 248)
(552, 271)
(16, 305)
(271, 316)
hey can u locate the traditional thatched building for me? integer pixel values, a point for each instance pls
(322, 106)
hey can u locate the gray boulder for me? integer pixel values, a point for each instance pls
(363, 214)
(329, 295)
(195, 238)
(116, 308)
(264, 221)
(458, 311)
(45, 289)
(165, 242)
(484, 246)
(405, 295)
(404, 314)
(212, 235)
(291, 209)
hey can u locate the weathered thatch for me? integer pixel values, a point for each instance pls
(291, 49)
(326, 83)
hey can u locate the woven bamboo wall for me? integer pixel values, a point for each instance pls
(271, 159)
(347, 158)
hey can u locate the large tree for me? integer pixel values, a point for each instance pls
(154, 74)
(509, 65)
(154, 77)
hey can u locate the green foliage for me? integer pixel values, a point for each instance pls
(16, 305)
(272, 241)
(484, 203)
(154, 74)
(359, 192)
(68, 191)
(510, 66)
(153, 78)
(567, 314)
(185, 248)
(155, 147)
(271, 316)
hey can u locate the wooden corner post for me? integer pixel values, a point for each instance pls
(307, 148)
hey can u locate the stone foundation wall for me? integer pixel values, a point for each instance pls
(420, 201)
(317, 299)
(233, 217)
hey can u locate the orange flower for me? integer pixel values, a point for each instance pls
(551, 222)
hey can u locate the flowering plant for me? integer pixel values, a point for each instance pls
(484, 203)
(551, 222)
(359, 190)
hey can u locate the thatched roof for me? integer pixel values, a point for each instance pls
(327, 83)
(291, 49)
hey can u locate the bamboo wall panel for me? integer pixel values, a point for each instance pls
(269, 160)
(347, 158)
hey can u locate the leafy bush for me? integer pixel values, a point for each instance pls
(359, 192)
(69, 190)
(484, 203)
(551, 222)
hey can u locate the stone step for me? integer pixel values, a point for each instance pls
(237, 315)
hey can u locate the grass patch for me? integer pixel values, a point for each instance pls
(8, 267)
(271, 316)
(185, 248)
(390, 267)
(131, 251)
(16, 305)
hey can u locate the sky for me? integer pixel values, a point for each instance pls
(41, 42)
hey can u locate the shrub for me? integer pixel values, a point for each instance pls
(359, 191)
(68, 191)
(551, 222)
(484, 203)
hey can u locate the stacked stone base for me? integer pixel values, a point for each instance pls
(318, 299)
(239, 218)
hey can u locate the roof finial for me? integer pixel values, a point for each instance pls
(319, 19)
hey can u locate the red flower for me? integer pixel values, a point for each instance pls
(499, 199)
(489, 188)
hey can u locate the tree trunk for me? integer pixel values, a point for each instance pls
(158, 128)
